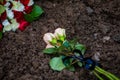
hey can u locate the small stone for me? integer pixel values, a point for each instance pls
(54, 5)
(116, 38)
(96, 56)
(89, 10)
(95, 35)
(106, 38)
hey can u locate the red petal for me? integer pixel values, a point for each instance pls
(1, 27)
(28, 9)
(24, 2)
(3, 16)
(23, 25)
(18, 15)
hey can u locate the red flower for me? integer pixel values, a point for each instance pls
(20, 19)
(23, 25)
(1, 27)
(28, 9)
(18, 15)
(3, 16)
(24, 2)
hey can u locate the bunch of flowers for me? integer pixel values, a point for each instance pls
(17, 14)
(70, 53)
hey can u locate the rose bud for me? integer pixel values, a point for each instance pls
(49, 38)
(60, 34)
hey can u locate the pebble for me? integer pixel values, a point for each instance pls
(95, 35)
(106, 38)
(89, 10)
(96, 56)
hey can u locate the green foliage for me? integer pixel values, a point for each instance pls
(68, 63)
(80, 47)
(2, 9)
(1, 34)
(57, 64)
(71, 68)
(50, 50)
(36, 12)
(66, 44)
(79, 64)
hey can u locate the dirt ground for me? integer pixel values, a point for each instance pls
(95, 23)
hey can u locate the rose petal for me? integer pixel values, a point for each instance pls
(10, 14)
(25, 2)
(17, 6)
(49, 46)
(5, 23)
(31, 2)
(48, 37)
(28, 9)
(18, 15)
(3, 16)
(1, 27)
(23, 25)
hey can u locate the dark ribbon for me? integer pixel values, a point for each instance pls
(88, 63)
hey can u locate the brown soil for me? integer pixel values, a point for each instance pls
(93, 22)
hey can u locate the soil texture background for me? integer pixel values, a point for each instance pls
(95, 23)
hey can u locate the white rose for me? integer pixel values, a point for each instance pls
(7, 4)
(10, 14)
(49, 38)
(49, 46)
(5, 22)
(14, 25)
(60, 34)
(31, 2)
(18, 6)
(8, 27)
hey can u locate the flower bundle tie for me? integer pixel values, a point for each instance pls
(70, 53)
(88, 63)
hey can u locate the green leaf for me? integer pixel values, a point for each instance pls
(57, 64)
(80, 47)
(50, 50)
(2, 9)
(71, 68)
(67, 62)
(66, 43)
(72, 44)
(36, 12)
(1, 35)
(80, 64)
